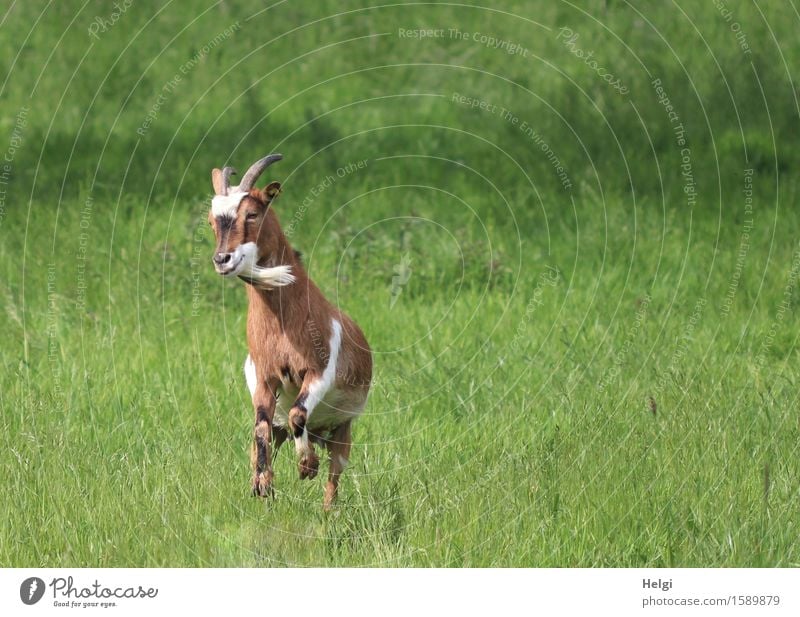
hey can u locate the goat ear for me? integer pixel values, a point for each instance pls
(216, 181)
(271, 191)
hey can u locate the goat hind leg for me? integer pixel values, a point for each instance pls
(279, 436)
(339, 453)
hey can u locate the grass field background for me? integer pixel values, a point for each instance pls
(597, 369)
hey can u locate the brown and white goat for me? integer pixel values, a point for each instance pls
(309, 367)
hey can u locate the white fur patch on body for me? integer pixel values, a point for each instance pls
(226, 205)
(320, 387)
(250, 375)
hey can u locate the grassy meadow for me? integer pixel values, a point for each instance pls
(578, 275)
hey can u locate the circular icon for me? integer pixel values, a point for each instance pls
(31, 590)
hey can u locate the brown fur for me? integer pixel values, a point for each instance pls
(288, 334)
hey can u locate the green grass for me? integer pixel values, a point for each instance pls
(637, 409)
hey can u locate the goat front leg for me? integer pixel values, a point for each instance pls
(279, 435)
(311, 393)
(264, 405)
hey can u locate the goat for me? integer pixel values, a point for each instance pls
(309, 366)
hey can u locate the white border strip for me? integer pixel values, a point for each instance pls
(371, 592)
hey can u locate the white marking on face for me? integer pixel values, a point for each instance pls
(226, 205)
(250, 375)
(244, 262)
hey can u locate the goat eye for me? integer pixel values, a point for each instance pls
(252, 216)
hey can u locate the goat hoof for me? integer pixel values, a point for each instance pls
(262, 485)
(308, 466)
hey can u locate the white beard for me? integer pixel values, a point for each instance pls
(246, 256)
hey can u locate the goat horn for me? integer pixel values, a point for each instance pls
(227, 172)
(220, 178)
(249, 179)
